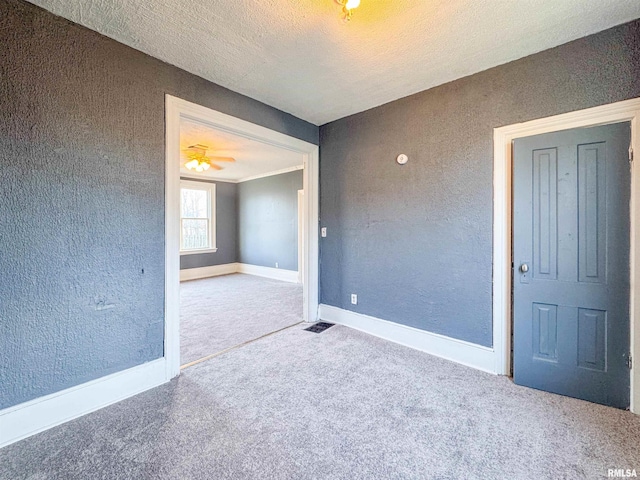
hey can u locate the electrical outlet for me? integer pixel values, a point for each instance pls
(323, 232)
(354, 299)
(277, 265)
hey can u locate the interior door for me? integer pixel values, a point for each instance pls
(571, 193)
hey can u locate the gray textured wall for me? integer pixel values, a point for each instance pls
(82, 199)
(226, 230)
(268, 221)
(415, 241)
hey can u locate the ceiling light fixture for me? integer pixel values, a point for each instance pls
(197, 165)
(347, 8)
(197, 160)
(200, 162)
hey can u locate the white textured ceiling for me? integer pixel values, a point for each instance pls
(253, 158)
(300, 57)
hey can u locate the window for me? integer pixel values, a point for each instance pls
(197, 217)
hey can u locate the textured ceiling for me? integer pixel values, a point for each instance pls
(252, 157)
(300, 57)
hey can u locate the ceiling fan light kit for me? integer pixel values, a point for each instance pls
(197, 165)
(198, 161)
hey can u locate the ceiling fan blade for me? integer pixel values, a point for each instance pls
(222, 159)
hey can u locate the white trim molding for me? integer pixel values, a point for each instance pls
(177, 109)
(206, 272)
(29, 418)
(625, 111)
(193, 178)
(246, 179)
(198, 252)
(465, 353)
(271, 174)
(268, 272)
(228, 268)
(300, 235)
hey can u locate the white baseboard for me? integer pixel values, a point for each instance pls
(469, 354)
(268, 272)
(29, 418)
(227, 268)
(206, 272)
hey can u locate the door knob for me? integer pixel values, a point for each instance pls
(524, 268)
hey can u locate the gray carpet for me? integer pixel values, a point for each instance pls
(221, 312)
(335, 405)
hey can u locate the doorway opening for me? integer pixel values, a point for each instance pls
(241, 234)
(627, 111)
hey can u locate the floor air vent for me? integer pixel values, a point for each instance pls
(319, 327)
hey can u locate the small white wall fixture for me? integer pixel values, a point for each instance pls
(177, 109)
(625, 111)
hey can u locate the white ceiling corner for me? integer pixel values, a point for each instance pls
(298, 56)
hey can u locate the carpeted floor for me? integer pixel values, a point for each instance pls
(335, 405)
(221, 312)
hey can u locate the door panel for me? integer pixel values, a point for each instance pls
(545, 332)
(571, 193)
(545, 213)
(592, 347)
(592, 211)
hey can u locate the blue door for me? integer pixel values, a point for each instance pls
(571, 193)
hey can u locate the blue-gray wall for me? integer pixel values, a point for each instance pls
(226, 230)
(268, 221)
(82, 199)
(415, 241)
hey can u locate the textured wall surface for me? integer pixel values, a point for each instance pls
(226, 230)
(82, 199)
(268, 221)
(415, 241)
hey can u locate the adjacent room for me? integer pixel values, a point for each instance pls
(241, 240)
(328, 239)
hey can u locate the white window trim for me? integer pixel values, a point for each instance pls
(211, 189)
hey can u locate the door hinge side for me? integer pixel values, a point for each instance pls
(629, 362)
(630, 154)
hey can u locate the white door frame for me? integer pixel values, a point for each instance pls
(300, 236)
(175, 109)
(628, 110)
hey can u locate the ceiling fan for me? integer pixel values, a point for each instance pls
(198, 160)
